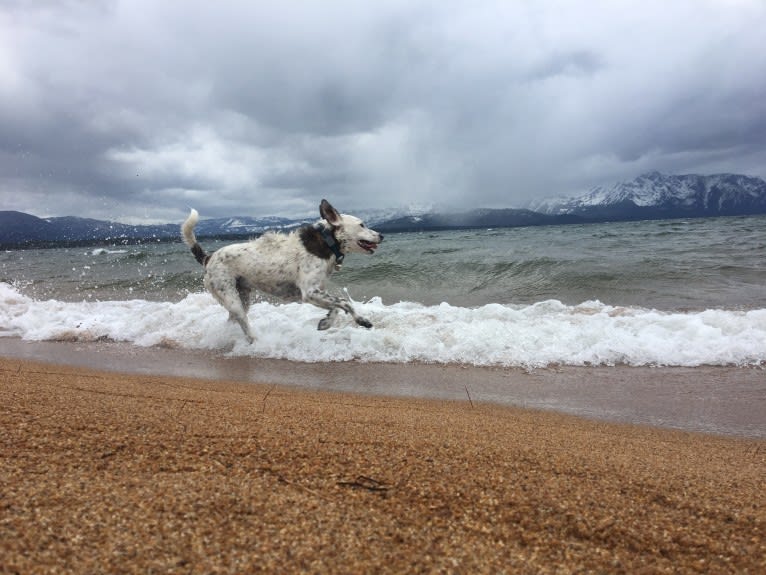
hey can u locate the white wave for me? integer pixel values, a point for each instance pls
(537, 335)
(104, 251)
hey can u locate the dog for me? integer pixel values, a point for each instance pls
(291, 267)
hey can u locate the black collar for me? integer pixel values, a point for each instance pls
(329, 238)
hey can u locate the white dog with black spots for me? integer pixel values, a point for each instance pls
(292, 267)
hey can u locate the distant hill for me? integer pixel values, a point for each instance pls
(19, 229)
(659, 196)
(481, 218)
(649, 196)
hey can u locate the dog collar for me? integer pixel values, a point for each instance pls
(331, 242)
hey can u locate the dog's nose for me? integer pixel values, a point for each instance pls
(381, 237)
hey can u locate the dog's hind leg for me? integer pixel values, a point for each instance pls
(231, 296)
(238, 313)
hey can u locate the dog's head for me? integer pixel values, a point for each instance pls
(349, 231)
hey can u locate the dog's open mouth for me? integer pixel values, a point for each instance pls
(369, 247)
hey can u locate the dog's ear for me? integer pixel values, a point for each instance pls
(329, 213)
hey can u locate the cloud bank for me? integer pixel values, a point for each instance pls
(135, 110)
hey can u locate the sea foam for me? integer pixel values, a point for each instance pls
(543, 334)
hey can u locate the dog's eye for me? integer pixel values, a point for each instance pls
(363, 225)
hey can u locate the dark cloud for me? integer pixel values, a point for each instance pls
(136, 110)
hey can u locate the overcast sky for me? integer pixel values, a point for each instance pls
(135, 110)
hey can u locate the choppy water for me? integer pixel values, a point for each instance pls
(689, 292)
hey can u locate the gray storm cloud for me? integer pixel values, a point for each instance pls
(136, 110)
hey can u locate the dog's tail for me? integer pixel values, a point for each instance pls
(187, 232)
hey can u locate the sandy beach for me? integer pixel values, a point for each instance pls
(105, 472)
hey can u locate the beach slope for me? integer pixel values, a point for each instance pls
(103, 472)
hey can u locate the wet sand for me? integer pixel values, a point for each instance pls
(145, 472)
(720, 400)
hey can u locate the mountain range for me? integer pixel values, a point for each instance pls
(649, 196)
(658, 196)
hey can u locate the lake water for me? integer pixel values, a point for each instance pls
(681, 292)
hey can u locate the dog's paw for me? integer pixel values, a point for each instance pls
(324, 323)
(364, 322)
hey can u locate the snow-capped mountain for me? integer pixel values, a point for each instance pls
(659, 195)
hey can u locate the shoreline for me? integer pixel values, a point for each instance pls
(137, 473)
(725, 401)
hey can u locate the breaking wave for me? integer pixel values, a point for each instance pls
(537, 335)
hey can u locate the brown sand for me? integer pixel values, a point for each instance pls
(147, 474)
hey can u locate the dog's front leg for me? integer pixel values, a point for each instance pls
(325, 300)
